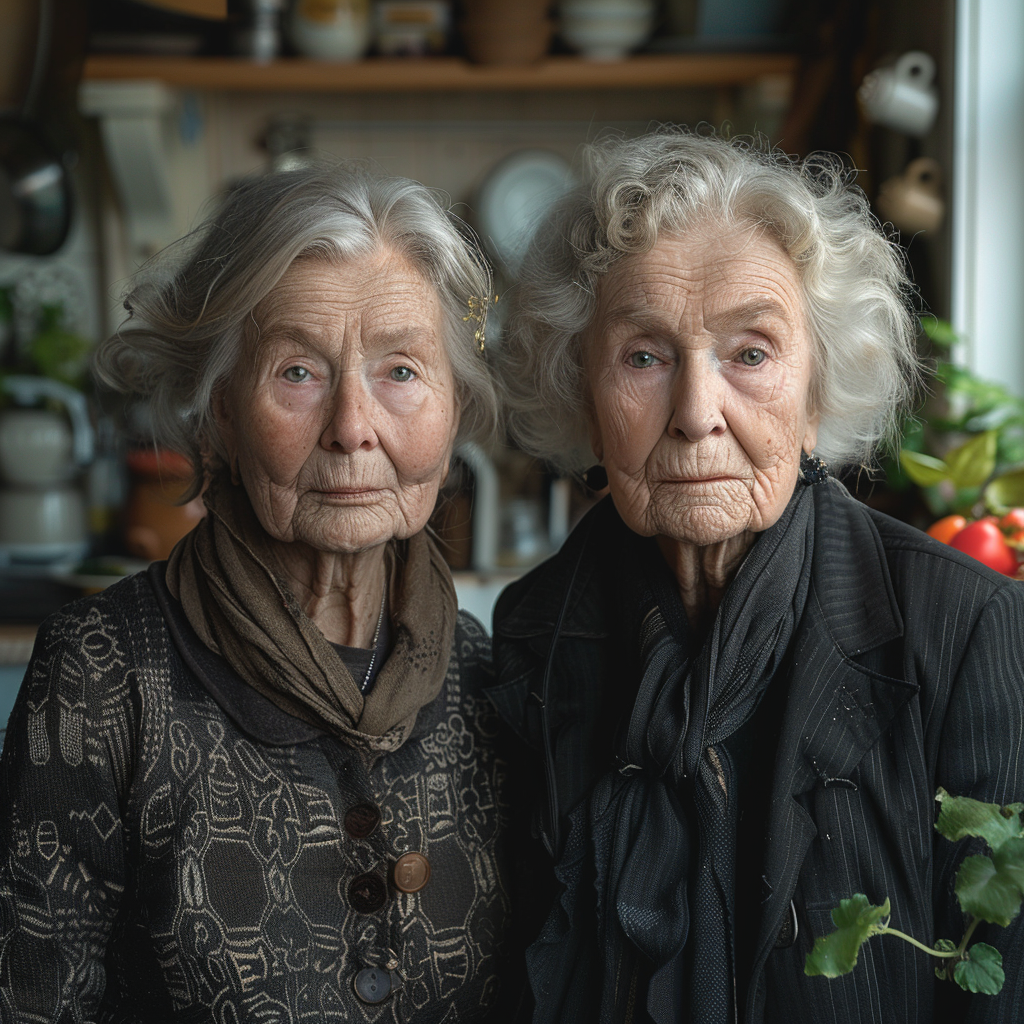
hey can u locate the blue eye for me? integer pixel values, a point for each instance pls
(752, 357)
(402, 374)
(641, 360)
(296, 374)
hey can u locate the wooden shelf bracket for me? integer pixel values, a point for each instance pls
(134, 122)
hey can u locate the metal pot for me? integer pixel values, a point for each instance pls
(35, 190)
(35, 194)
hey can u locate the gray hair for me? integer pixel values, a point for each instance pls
(857, 296)
(190, 309)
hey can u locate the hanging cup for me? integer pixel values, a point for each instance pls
(903, 96)
(912, 201)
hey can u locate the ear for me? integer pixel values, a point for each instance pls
(811, 433)
(452, 435)
(594, 433)
(220, 406)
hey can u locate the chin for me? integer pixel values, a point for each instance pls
(346, 531)
(702, 525)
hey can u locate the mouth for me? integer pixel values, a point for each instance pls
(698, 479)
(351, 494)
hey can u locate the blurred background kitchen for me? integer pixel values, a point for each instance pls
(121, 122)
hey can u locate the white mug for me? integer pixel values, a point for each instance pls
(903, 96)
(912, 201)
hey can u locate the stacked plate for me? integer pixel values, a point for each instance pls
(513, 199)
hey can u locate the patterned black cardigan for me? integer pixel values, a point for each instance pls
(178, 849)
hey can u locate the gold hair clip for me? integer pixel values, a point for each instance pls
(478, 309)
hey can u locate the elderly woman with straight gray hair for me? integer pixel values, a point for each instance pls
(736, 688)
(260, 782)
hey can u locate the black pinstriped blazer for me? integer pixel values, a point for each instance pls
(907, 674)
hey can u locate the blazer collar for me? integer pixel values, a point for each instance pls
(851, 610)
(850, 573)
(840, 701)
(850, 578)
(837, 706)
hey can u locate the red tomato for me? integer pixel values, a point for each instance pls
(982, 540)
(947, 528)
(1013, 520)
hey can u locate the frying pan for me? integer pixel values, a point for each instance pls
(35, 194)
(35, 191)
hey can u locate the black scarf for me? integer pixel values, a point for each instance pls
(656, 839)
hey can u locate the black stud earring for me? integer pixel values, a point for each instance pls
(596, 478)
(813, 469)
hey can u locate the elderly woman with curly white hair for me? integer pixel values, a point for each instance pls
(259, 782)
(738, 687)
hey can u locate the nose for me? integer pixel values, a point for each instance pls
(697, 400)
(350, 423)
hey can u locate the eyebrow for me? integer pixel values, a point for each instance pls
(403, 335)
(743, 315)
(732, 319)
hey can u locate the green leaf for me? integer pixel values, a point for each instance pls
(940, 331)
(60, 354)
(1009, 860)
(944, 946)
(989, 887)
(982, 971)
(856, 920)
(924, 470)
(973, 462)
(960, 816)
(1006, 491)
(976, 394)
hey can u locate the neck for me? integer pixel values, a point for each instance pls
(341, 593)
(704, 573)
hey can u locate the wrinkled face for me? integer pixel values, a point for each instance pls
(699, 369)
(343, 430)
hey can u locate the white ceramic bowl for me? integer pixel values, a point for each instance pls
(338, 31)
(607, 38)
(606, 8)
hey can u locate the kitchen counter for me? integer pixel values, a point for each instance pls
(15, 648)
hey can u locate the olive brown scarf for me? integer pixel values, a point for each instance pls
(224, 574)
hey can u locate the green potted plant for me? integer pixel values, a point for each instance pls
(966, 454)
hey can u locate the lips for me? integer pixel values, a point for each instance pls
(349, 493)
(697, 479)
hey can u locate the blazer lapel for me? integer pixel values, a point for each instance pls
(837, 708)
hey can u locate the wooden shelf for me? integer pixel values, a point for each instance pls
(441, 74)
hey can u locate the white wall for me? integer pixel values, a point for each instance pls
(988, 189)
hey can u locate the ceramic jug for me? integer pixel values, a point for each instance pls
(42, 512)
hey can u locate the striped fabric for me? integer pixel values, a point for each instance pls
(907, 674)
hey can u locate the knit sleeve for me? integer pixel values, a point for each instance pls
(982, 756)
(64, 776)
